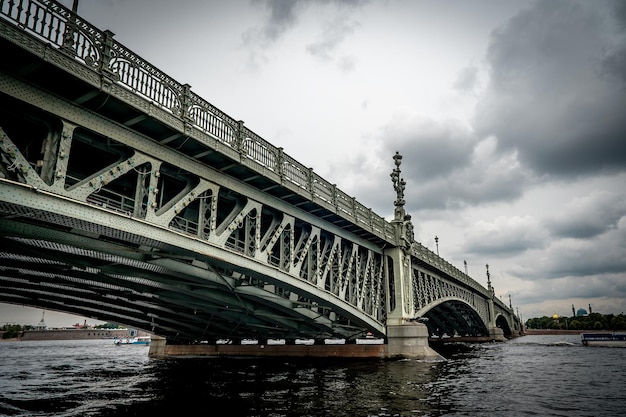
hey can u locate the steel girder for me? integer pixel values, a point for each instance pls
(288, 266)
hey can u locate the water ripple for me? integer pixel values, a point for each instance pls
(529, 376)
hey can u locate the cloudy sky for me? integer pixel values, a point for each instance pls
(510, 117)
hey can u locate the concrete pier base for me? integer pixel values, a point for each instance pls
(157, 346)
(406, 341)
(293, 351)
(410, 341)
(496, 334)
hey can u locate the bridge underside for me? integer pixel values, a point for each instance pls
(60, 263)
(454, 319)
(503, 324)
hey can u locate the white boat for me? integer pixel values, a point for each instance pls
(604, 339)
(370, 340)
(334, 341)
(141, 340)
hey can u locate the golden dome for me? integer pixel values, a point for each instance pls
(555, 316)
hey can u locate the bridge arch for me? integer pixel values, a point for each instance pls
(503, 324)
(452, 316)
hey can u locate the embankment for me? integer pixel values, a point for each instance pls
(561, 331)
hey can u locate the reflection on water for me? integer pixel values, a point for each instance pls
(532, 375)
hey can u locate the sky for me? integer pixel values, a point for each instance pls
(509, 116)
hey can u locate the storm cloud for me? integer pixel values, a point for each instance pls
(556, 92)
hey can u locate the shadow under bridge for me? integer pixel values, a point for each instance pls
(453, 318)
(153, 285)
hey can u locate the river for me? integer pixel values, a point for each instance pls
(527, 376)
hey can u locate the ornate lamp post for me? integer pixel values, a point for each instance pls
(437, 244)
(399, 185)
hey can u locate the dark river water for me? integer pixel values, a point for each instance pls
(527, 376)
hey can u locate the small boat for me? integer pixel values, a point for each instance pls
(141, 340)
(369, 339)
(604, 339)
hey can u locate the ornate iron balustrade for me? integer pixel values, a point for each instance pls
(426, 255)
(97, 50)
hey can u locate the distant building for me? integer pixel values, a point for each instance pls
(42, 323)
(581, 312)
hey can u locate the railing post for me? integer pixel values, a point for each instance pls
(68, 35)
(185, 103)
(310, 184)
(280, 164)
(240, 138)
(107, 75)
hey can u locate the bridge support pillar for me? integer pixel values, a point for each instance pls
(496, 334)
(410, 341)
(157, 346)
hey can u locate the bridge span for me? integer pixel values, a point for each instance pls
(126, 197)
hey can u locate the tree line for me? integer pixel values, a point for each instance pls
(593, 321)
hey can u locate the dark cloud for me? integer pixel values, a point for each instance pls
(607, 290)
(504, 236)
(613, 66)
(619, 13)
(446, 167)
(589, 216)
(555, 91)
(614, 63)
(577, 258)
(430, 148)
(284, 14)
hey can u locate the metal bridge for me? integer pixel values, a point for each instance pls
(126, 197)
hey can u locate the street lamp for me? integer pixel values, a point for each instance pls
(437, 243)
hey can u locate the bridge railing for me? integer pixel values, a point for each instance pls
(425, 254)
(54, 23)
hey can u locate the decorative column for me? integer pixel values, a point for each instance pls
(399, 274)
(405, 337)
(495, 333)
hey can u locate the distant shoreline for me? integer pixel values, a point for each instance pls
(69, 334)
(536, 332)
